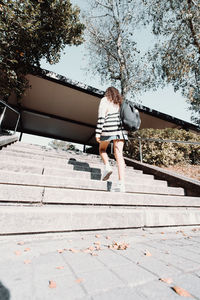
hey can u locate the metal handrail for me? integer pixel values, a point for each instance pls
(11, 108)
(160, 141)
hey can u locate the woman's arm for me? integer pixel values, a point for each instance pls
(101, 117)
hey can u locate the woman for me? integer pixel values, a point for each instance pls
(109, 128)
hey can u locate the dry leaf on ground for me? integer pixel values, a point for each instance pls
(60, 250)
(91, 248)
(166, 280)
(79, 280)
(94, 254)
(86, 250)
(192, 171)
(17, 253)
(52, 284)
(27, 249)
(27, 261)
(97, 243)
(194, 229)
(119, 246)
(98, 248)
(73, 250)
(20, 243)
(147, 253)
(181, 292)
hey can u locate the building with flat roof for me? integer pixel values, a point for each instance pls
(59, 108)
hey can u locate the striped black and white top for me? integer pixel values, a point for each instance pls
(109, 122)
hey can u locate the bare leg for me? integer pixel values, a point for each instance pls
(102, 151)
(118, 151)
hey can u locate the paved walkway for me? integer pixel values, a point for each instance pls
(98, 265)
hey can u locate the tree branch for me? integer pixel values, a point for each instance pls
(102, 43)
(100, 16)
(106, 6)
(196, 43)
(194, 3)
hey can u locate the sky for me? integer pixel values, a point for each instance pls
(73, 63)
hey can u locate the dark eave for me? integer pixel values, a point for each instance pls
(60, 79)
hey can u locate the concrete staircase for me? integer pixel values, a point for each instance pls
(54, 191)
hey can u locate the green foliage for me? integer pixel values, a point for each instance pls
(176, 57)
(160, 153)
(29, 31)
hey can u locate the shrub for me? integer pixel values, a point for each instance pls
(162, 153)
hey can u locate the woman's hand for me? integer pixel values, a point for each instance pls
(98, 139)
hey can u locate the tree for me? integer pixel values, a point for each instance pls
(176, 57)
(29, 31)
(173, 59)
(113, 52)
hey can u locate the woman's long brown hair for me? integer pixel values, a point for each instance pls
(113, 95)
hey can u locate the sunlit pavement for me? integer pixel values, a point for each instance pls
(162, 263)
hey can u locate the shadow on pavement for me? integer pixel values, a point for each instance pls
(95, 173)
(4, 292)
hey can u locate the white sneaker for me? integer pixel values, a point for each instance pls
(119, 188)
(106, 174)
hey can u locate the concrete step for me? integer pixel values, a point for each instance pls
(21, 145)
(52, 154)
(46, 191)
(40, 170)
(18, 220)
(76, 183)
(65, 196)
(27, 145)
(57, 164)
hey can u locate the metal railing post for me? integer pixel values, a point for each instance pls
(12, 109)
(140, 148)
(17, 124)
(2, 115)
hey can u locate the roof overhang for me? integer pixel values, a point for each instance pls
(59, 108)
